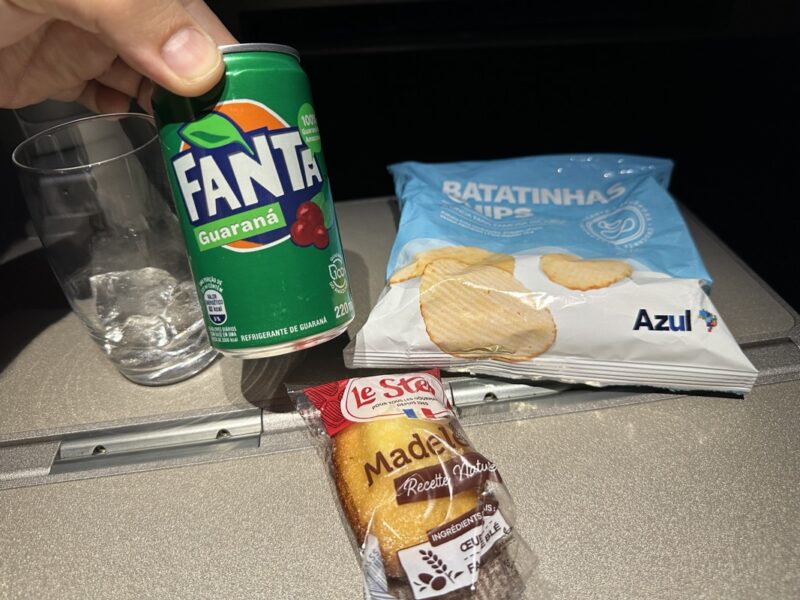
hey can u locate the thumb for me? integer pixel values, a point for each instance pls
(165, 40)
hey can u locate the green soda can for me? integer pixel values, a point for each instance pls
(253, 198)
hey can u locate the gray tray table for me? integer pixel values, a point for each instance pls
(210, 488)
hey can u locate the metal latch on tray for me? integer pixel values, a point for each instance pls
(472, 391)
(152, 441)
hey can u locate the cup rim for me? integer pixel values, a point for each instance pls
(50, 130)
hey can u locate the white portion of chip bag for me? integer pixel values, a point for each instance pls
(595, 344)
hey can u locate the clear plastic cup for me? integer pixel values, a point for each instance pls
(100, 201)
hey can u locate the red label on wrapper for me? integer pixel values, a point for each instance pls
(362, 399)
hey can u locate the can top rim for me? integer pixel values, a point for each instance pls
(259, 47)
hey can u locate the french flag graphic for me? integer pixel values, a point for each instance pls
(412, 414)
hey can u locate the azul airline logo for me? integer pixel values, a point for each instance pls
(709, 318)
(645, 320)
(501, 201)
(243, 172)
(627, 225)
(654, 322)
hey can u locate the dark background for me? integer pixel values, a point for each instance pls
(715, 86)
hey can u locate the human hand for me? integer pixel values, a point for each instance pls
(101, 53)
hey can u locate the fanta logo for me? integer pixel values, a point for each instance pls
(663, 322)
(242, 174)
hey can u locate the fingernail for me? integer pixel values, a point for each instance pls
(191, 54)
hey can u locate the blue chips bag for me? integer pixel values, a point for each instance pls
(577, 268)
